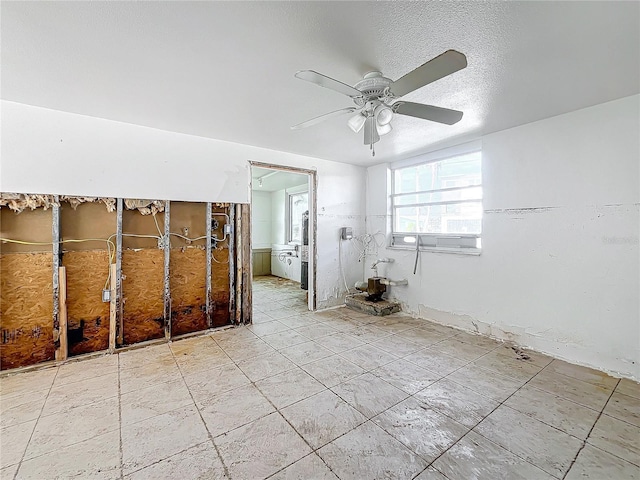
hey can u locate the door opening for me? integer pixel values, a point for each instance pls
(283, 218)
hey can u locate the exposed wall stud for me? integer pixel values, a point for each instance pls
(208, 273)
(62, 350)
(232, 269)
(113, 310)
(167, 284)
(239, 279)
(246, 265)
(55, 239)
(118, 276)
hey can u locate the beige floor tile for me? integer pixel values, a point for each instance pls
(368, 357)
(339, 342)
(267, 365)
(457, 402)
(206, 384)
(199, 462)
(285, 339)
(7, 473)
(85, 369)
(518, 369)
(306, 353)
(577, 391)
(624, 407)
(368, 452)
(202, 358)
(596, 464)
(333, 370)
(298, 321)
(233, 409)
(261, 448)
(159, 437)
(95, 458)
(466, 352)
(13, 442)
(368, 333)
(316, 331)
(431, 474)
(617, 437)
(397, 345)
(414, 426)
(232, 336)
(25, 383)
(369, 394)
(476, 339)
(247, 349)
(406, 376)
(435, 361)
(341, 324)
(278, 313)
(543, 446)
(436, 327)
(149, 374)
(289, 387)
(159, 356)
(563, 414)
(509, 350)
(310, 467)
(64, 397)
(392, 325)
(262, 329)
(259, 317)
(585, 374)
(77, 425)
(322, 418)
(486, 382)
(155, 400)
(21, 408)
(423, 337)
(629, 387)
(478, 458)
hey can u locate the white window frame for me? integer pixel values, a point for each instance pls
(469, 244)
(289, 225)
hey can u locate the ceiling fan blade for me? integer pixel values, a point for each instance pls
(370, 132)
(324, 117)
(428, 112)
(327, 82)
(445, 64)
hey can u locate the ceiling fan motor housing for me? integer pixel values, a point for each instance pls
(373, 87)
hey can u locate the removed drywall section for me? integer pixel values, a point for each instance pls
(26, 289)
(187, 265)
(220, 267)
(559, 266)
(87, 265)
(142, 277)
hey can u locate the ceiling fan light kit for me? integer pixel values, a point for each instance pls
(376, 97)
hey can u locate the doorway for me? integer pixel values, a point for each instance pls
(283, 220)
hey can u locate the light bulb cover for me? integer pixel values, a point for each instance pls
(383, 114)
(383, 129)
(356, 122)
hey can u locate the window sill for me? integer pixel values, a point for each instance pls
(458, 251)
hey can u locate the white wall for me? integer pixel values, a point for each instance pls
(261, 220)
(559, 270)
(48, 151)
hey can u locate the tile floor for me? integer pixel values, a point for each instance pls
(333, 394)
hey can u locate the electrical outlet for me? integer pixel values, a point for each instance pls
(346, 233)
(228, 229)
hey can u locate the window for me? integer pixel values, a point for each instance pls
(439, 203)
(298, 204)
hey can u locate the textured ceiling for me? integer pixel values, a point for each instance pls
(225, 69)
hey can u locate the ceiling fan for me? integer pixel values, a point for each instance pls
(376, 97)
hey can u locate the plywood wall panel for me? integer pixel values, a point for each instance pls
(142, 290)
(220, 287)
(87, 314)
(187, 269)
(26, 309)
